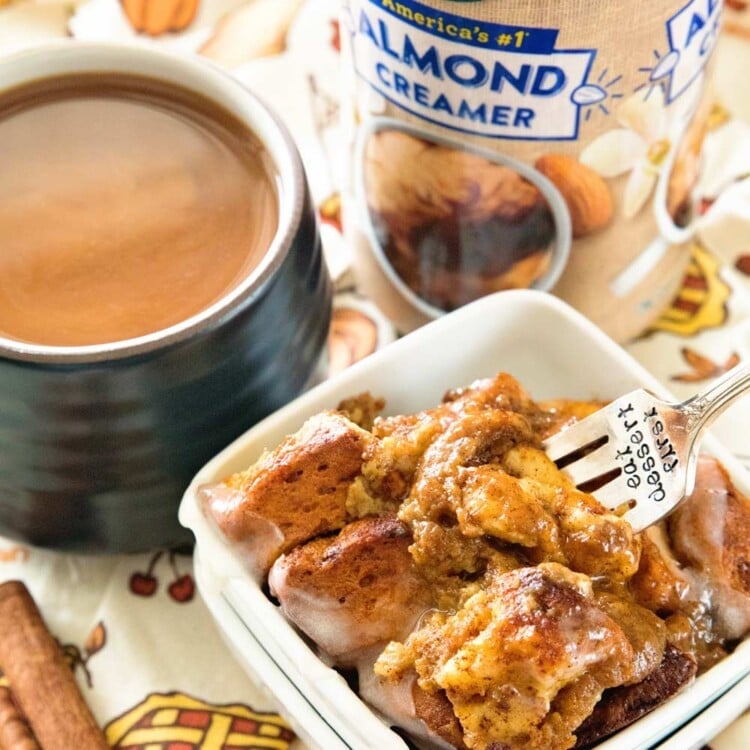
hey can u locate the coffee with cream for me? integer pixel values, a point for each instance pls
(127, 205)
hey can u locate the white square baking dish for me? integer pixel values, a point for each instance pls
(554, 352)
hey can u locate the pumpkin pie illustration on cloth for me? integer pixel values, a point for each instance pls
(174, 721)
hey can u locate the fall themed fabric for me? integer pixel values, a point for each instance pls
(136, 634)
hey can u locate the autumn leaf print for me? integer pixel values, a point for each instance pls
(703, 368)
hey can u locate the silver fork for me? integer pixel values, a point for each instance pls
(637, 455)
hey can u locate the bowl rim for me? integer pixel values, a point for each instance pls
(266, 126)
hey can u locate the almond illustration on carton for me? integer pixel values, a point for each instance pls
(585, 192)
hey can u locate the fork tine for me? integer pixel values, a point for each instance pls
(575, 437)
(591, 466)
(613, 494)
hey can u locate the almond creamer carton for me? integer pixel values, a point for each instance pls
(526, 143)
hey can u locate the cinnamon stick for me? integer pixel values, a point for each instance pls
(43, 684)
(15, 733)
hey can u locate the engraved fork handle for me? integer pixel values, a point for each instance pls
(705, 406)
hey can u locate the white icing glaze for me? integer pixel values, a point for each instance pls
(333, 625)
(699, 532)
(395, 702)
(261, 539)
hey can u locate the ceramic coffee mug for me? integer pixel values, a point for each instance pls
(98, 442)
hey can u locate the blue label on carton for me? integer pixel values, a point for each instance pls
(692, 33)
(470, 75)
(509, 81)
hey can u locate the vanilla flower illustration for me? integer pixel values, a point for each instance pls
(640, 147)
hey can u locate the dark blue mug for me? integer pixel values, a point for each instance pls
(98, 443)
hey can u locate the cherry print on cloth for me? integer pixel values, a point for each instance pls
(175, 721)
(146, 583)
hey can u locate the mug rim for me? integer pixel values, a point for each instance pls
(207, 79)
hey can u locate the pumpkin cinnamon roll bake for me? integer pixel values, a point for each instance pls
(482, 600)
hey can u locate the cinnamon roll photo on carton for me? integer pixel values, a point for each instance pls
(394, 556)
(503, 144)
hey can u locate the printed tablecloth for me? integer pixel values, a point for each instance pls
(144, 648)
